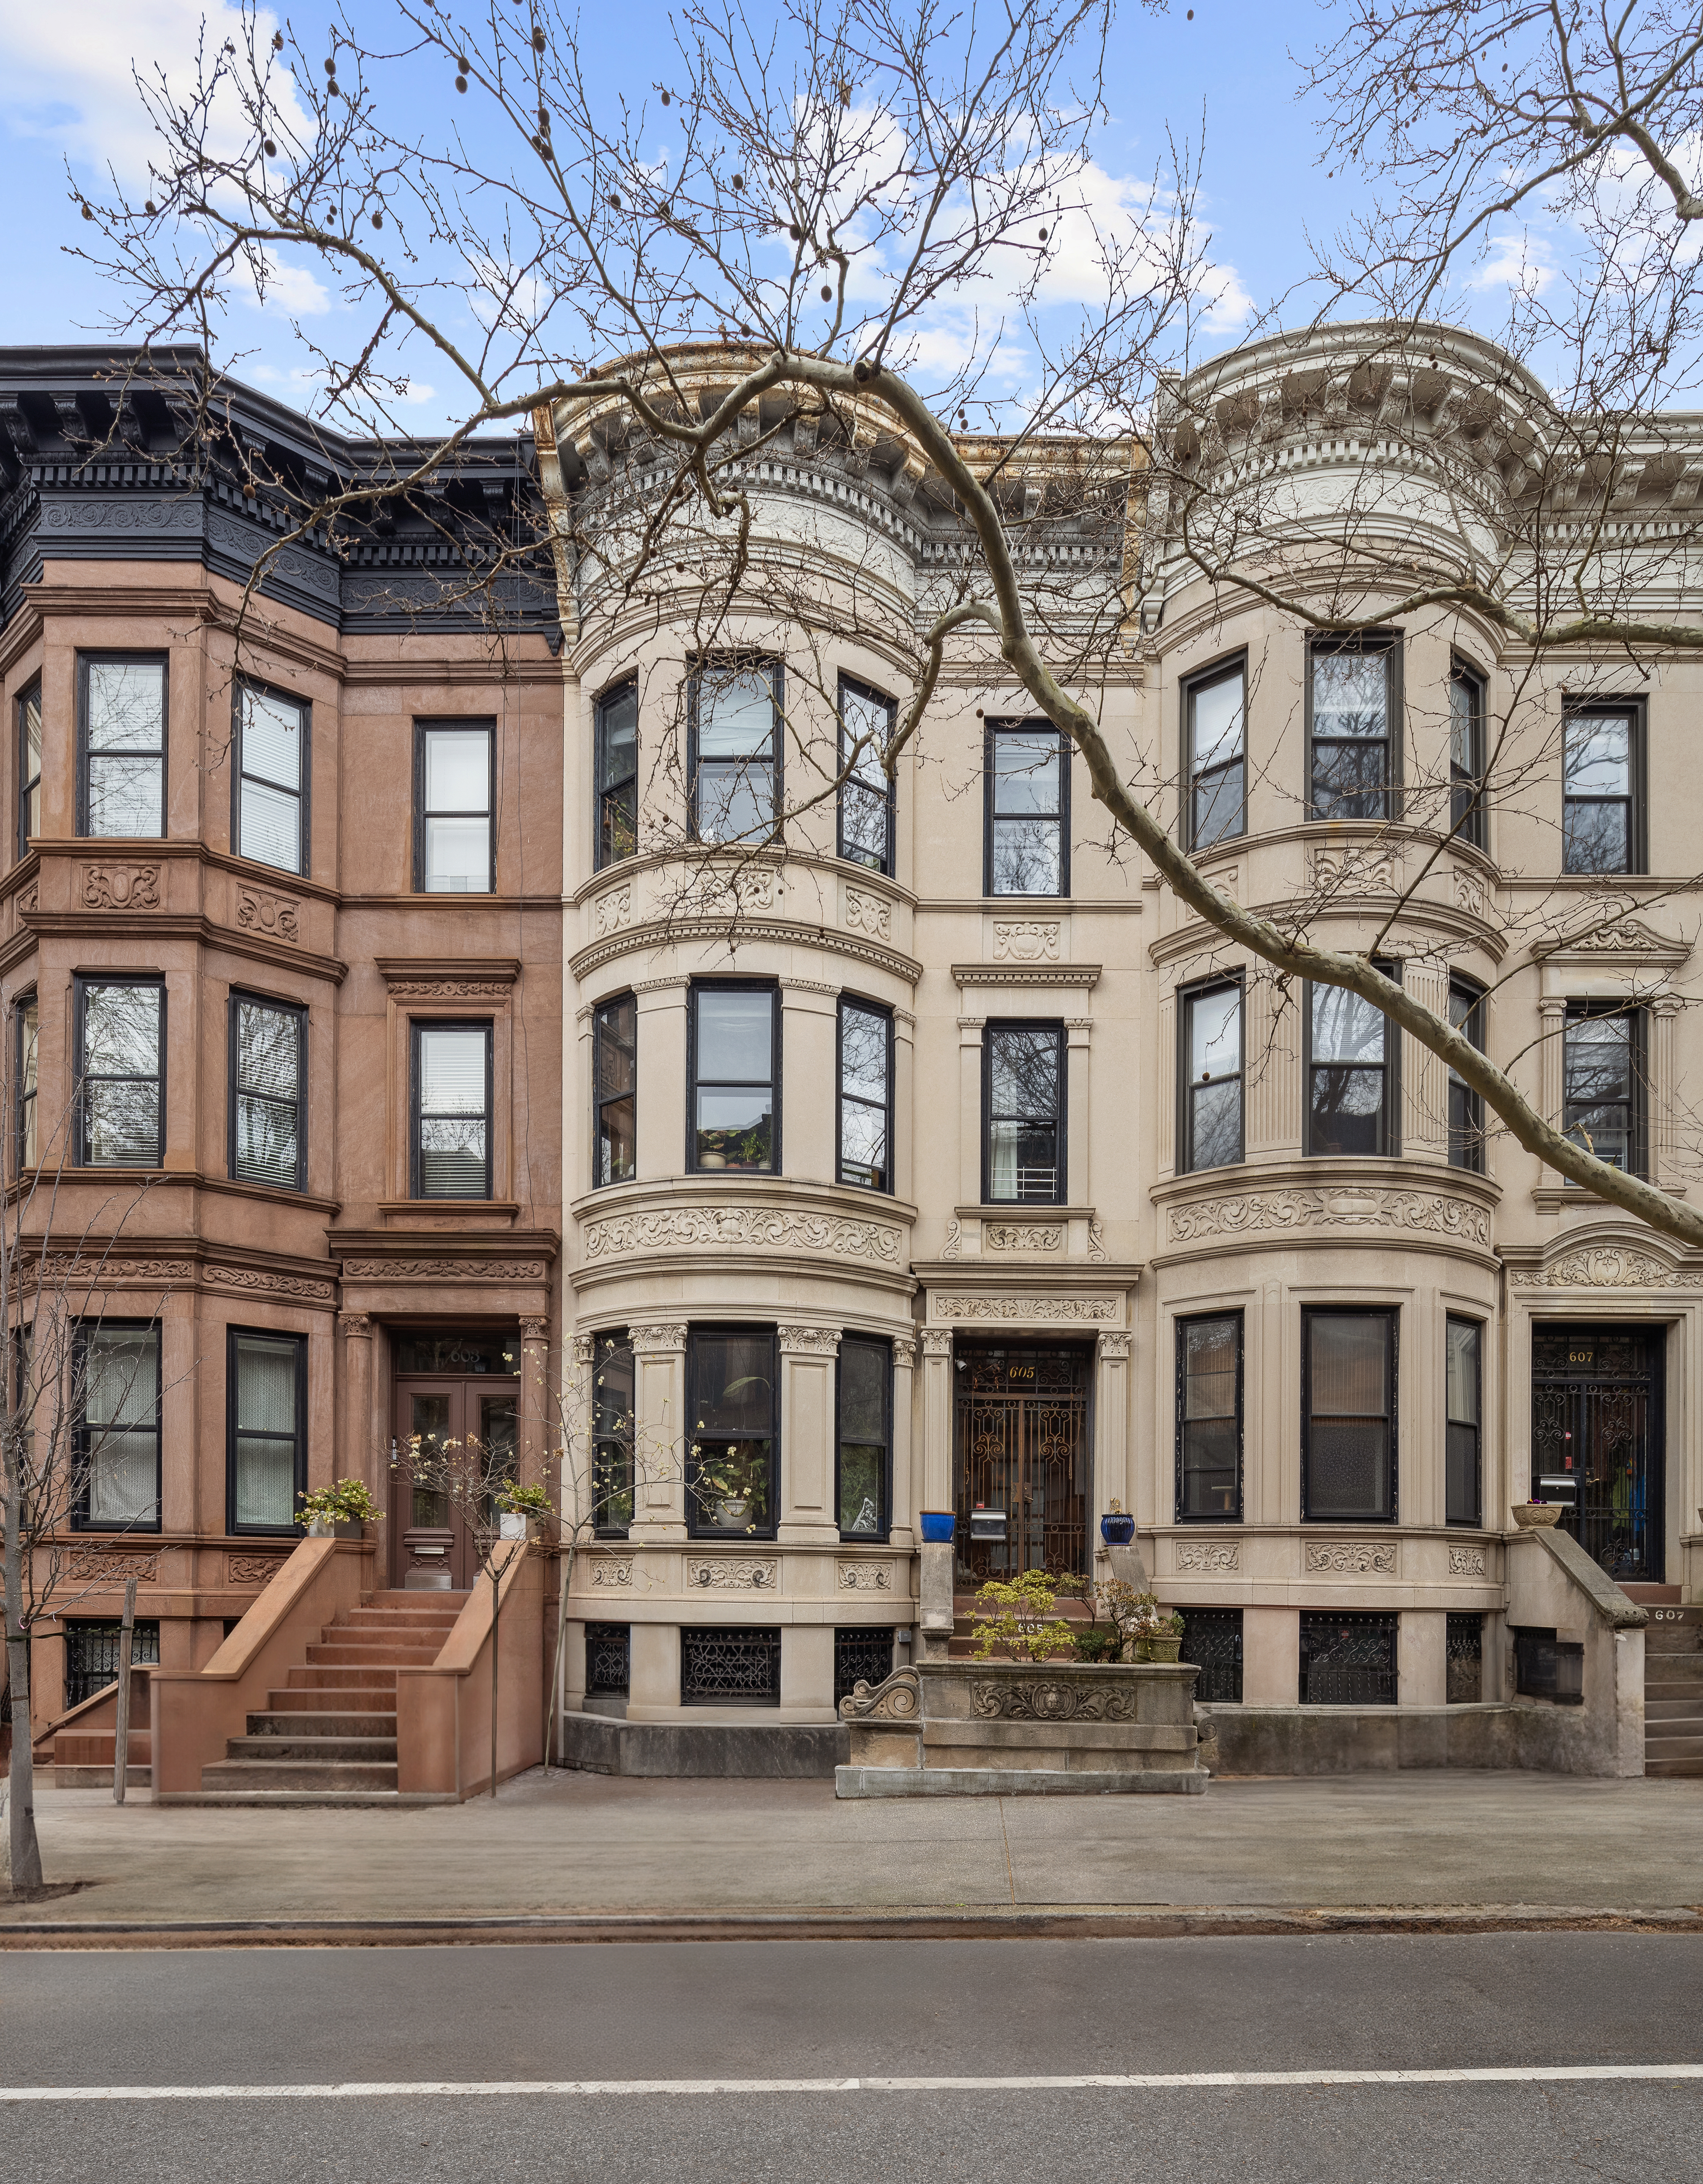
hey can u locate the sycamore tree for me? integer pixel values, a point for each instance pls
(840, 227)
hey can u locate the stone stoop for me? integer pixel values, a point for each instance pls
(1673, 1686)
(961, 1645)
(329, 1738)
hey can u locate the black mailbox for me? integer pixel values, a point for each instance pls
(987, 1524)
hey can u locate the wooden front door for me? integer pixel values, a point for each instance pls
(433, 1544)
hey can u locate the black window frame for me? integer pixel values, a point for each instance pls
(1189, 690)
(1391, 1317)
(1635, 711)
(695, 1334)
(82, 1630)
(600, 1099)
(481, 723)
(607, 1343)
(124, 659)
(26, 780)
(416, 1025)
(1474, 1520)
(82, 982)
(1637, 1018)
(990, 1029)
(857, 856)
(855, 1338)
(1389, 1113)
(26, 1106)
(304, 795)
(1388, 645)
(238, 998)
(772, 987)
(773, 666)
(869, 1008)
(1469, 818)
(81, 1519)
(1187, 996)
(1062, 818)
(1466, 1116)
(603, 857)
(1184, 1514)
(236, 1528)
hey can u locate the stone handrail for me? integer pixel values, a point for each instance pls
(443, 1707)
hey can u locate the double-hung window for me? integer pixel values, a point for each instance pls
(1466, 1106)
(120, 1072)
(1028, 809)
(865, 1095)
(1209, 1133)
(27, 1019)
(1209, 1417)
(1602, 809)
(1467, 756)
(1603, 1082)
(612, 1434)
(1348, 1417)
(29, 767)
(733, 764)
(1463, 1492)
(866, 795)
(269, 1053)
(731, 1440)
(454, 785)
(1216, 760)
(266, 1429)
(270, 823)
(1353, 691)
(451, 1077)
(121, 744)
(115, 1369)
(1023, 1114)
(863, 1436)
(734, 1121)
(617, 773)
(1351, 1076)
(614, 1078)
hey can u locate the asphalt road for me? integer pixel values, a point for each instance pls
(763, 2011)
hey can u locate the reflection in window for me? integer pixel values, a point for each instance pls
(1212, 1041)
(25, 1063)
(1597, 814)
(267, 1444)
(452, 1096)
(271, 774)
(865, 794)
(1348, 1456)
(453, 855)
(29, 767)
(731, 1449)
(1217, 785)
(1350, 734)
(1349, 1102)
(122, 1025)
(1209, 1417)
(1466, 756)
(1466, 1107)
(735, 723)
(733, 1122)
(865, 1437)
(865, 1095)
(1601, 1078)
(266, 1087)
(612, 1434)
(617, 773)
(117, 1401)
(615, 1071)
(1463, 1375)
(1028, 778)
(1023, 1069)
(124, 747)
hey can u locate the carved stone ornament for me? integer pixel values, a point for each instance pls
(1209, 1554)
(354, 1326)
(498, 991)
(954, 1240)
(1085, 1309)
(903, 1353)
(113, 1567)
(898, 1698)
(1052, 1698)
(1364, 1559)
(810, 1341)
(1026, 940)
(937, 1342)
(1115, 1346)
(1469, 892)
(25, 900)
(1097, 1240)
(723, 1573)
(1014, 1236)
(252, 1570)
(1606, 1266)
(272, 914)
(743, 1228)
(865, 1577)
(120, 887)
(611, 1571)
(869, 913)
(612, 909)
(1421, 1212)
(535, 1330)
(1465, 1561)
(445, 1270)
(1357, 871)
(259, 1281)
(666, 1335)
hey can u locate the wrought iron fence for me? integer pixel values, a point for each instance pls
(91, 1656)
(1212, 1640)
(861, 1657)
(608, 1659)
(1348, 1660)
(1464, 1643)
(730, 1668)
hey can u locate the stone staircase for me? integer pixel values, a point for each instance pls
(1672, 1683)
(330, 1737)
(961, 1645)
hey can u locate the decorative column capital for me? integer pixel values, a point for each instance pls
(937, 1342)
(904, 1352)
(535, 1330)
(663, 1335)
(354, 1324)
(810, 1341)
(1552, 1004)
(1114, 1348)
(585, 1349)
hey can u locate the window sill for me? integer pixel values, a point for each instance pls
(453, 1210)
(1574, 1198)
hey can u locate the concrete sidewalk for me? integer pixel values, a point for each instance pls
(564, 1843)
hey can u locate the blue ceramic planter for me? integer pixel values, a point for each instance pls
(936, 1528)
(1118, 1529)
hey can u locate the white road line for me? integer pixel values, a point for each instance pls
(1518, 2074)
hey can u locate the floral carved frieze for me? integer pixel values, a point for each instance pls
(1055, 1698)
(1419, 1211)
(869, 913)
(610, 1571)
(445, 1270)
(275, 915)
(1355, 871)
(612, 910)
(1467, 1562)
(252, 1570)
(1026, 939)
(1209, 1555)
(1088, 1309)
(865, 1577)
(103, 1564)
(499, 990)
(741, 1228)
(1011, 1236)
(1606, 1266)
(724, 1573)
(258, 1282)
(1362, 1558)
(809, 1341)
(120, 887)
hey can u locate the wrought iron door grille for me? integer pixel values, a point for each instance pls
(1466, 1653)
(1348, 1660)
(1212, 1640)
(91, 1656)
(730, 1668)
(608, 1659)
(861, 1657)
(1597, 1443)
(1021, 1452)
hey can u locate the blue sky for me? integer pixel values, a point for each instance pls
(66, 94)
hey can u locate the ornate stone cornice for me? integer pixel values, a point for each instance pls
(750, 931)
(1083, 975)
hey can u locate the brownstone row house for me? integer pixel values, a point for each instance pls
(280, 968)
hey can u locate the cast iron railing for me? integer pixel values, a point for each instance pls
(608, 1659)
(861, 1657)
(730, 1668)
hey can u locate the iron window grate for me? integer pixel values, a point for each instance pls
(861, 1657)
(1465, 1657)
(608, 1659)
(1212, 1640)
(91, 1656)
(1348, 1660)
(730, 1668)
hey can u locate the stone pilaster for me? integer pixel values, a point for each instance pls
(904, 1509)
(808, 1358)
(659, 1435)
(364, 1452)
(937, 1417)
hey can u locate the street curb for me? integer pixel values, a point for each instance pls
(1158, 1924)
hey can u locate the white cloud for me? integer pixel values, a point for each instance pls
(292, 288)
(1520, 261)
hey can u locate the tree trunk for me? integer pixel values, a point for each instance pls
(26, 1851)
(496, 1608)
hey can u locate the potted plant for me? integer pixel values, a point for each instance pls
(1019, 1618)
(1536, 1516)
(938, 1527)
(519, 1507)
(1117, 1527)
(338, 1511)
(1164, 1638)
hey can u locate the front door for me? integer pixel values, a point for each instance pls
(463, 1415)
(1020, 1462)
(1597, 1442)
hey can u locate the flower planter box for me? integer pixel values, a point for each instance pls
(1000, 1728)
